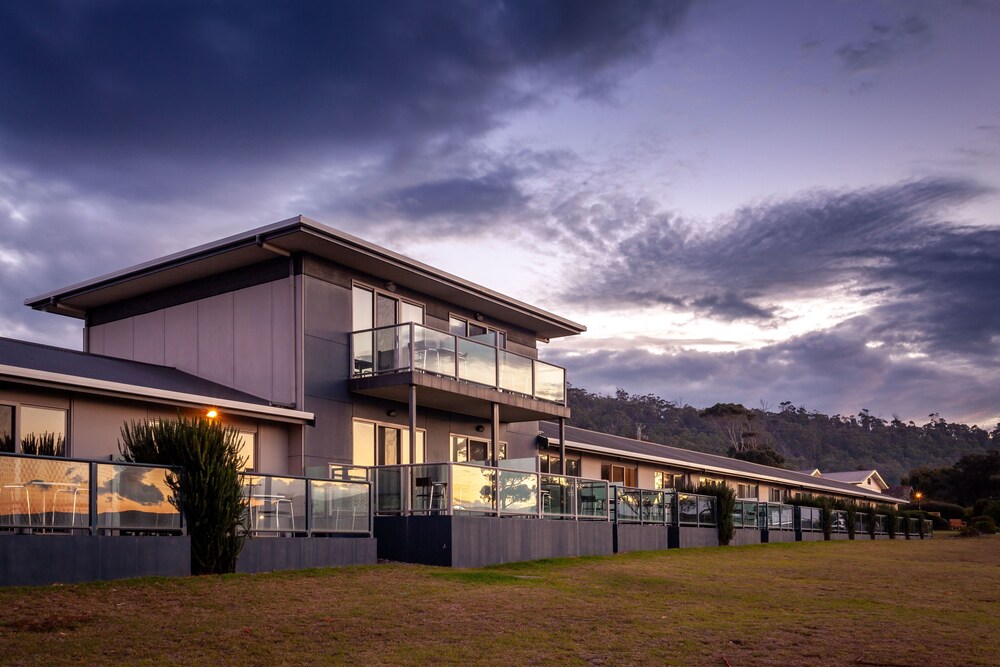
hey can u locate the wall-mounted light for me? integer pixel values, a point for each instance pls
(391, 286)
(479, 317)
(211, 413)
(391, 412)
(480, 428)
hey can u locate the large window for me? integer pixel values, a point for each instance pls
(43, 431)
(549, 463)
(475, 450)
(460, 326)
(620, 474)
(747, 491)
(6, 428)
(664, 480)
(385, 444)
(373, 309)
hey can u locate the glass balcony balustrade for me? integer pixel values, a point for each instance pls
(43, 494)
(414, 347)
(280, 505)
(470, 489)
(775, 516)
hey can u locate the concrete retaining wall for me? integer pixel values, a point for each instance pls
(746, 536)
(780, 536)
(690, 536)
(633, 537)
(267, 554)
(32, 560)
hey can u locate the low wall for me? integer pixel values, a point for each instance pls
(743, 536)
(474, 541)
(693, 536)
(839, 536)
(781, 536)
(32, 560)
(633, 537)
(267, 554)
(809, 536)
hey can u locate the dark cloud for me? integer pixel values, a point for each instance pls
(882, 43)
(832, 371)
(892, 246)
(107, 93)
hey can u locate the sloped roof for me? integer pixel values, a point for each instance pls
(297, 235)
(46, 365)
(613, 445)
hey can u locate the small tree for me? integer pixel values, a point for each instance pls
(725, 505)
(210, 488)
(872, 520)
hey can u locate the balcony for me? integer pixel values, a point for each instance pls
(454, 373)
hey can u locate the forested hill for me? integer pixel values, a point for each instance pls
(807, 439)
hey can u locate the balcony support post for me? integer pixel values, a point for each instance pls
(495, 434)
(562, 445)
(413, 423)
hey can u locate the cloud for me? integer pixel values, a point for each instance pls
(882, 43)
(113, 93)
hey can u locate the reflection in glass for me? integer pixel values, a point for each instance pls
(627, 507)
(43, 493)
(135, 498)
(389, 490)
(433, 351)
(429, 489)
(474, 489)
(6, 428)
(550, 382)
(519, 492)
(592, 498)
(558, 495)
(515, 373)
(477, 362)
(364, 355)
(43, 431)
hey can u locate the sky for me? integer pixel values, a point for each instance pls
(743, 202)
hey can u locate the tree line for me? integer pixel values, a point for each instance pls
(801, 438)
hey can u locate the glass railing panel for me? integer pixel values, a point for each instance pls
(627, 505)
(750, 512)
(515, 372)
(592, 498)
(668, 507)
(43, 492)
(276, 504)
(706, 510)
(429, 488)
(363, 346)
(839, 521)
(477, 362)
(131, 497)
(652, 506)
(519, 492)
(433, 351)
(389, 489)
(473, 489)
(687, 507)
(339, 506)
(550, 382)
(557, 494)
(392, 348)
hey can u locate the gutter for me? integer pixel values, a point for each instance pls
(182, 399)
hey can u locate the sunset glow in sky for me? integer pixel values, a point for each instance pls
(743, 201)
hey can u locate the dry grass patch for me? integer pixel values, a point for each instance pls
(918, 603)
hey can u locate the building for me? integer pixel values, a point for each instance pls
(331, 356)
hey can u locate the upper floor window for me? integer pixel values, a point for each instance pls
(459, 326)
(43, 431)
(618, 474)
(748, 491)
(549, 463)
(6, 428)
(384, 444)
(372, 308)
(247, 449)
(476, 450)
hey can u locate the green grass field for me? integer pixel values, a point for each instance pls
(928, 603)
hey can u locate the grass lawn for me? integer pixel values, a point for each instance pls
(928, 603)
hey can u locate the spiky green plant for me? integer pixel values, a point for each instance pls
(872, 521)
(209, 488)
(725, 505)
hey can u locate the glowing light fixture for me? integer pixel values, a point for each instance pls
(211, 413)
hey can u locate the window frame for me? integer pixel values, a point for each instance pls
(19, 420)
(375, 453)
(400, 300)
(500, 333)
(477, 438)
(12, 430)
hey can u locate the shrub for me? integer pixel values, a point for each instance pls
(725, 505)
(968, 531)
(984, 525)
(210, 488)
(872, 519)
(946, 510)
(990, 508)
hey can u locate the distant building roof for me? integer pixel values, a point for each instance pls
(45, 365)
(613, 445)
(812, 472)
(857, 477)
